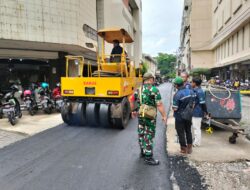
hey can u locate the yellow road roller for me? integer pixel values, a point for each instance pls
(100, 96)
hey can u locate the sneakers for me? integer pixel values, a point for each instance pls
(151, 161)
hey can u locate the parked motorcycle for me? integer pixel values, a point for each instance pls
(228, 84)
(45, 100)
(245, 85)
(30, 102)
(10, 107)
(57, 98)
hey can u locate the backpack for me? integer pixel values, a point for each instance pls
(187, 112)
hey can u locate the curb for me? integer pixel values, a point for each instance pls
(172, 146)
(16, 132)
(29, 126)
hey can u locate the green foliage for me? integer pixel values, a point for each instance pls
(166, 64)
(200, 71)
(144, 68)
(171, 75)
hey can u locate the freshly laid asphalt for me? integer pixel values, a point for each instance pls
(86, 158)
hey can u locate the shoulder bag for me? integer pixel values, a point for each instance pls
(146, 111)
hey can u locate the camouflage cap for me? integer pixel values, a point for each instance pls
(147, 76)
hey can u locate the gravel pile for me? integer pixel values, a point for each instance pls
(185, 175)
(190, 175)
(225, 176)
(228, 176)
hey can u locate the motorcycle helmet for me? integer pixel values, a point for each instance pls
(45, 85)
(27, 93)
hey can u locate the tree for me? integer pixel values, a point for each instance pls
(201, 72)
(166, 64)
(144, 68)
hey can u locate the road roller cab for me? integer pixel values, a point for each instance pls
(100, 96)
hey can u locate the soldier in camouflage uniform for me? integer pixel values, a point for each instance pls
(146, 127)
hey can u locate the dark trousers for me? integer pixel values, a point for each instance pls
(183, 128)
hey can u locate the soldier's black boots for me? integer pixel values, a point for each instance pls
(151, 161)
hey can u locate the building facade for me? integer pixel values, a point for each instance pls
(183, 54)
(220, 37)
(36, 35)
(151, 63)
(231, 38)
(127, 15)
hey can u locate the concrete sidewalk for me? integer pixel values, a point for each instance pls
(215, 147)
(7, 138)
(30, 125)
(26, 127)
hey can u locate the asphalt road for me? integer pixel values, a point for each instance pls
(84, 158)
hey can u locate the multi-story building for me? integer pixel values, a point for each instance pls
(36, 35)
(196, 35)
(183, 54)
(231, 38)
(150, 62)
(220, 37)
(125, 15)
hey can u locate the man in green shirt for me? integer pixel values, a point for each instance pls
(148, 95)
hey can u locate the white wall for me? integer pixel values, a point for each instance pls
(53, 21)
